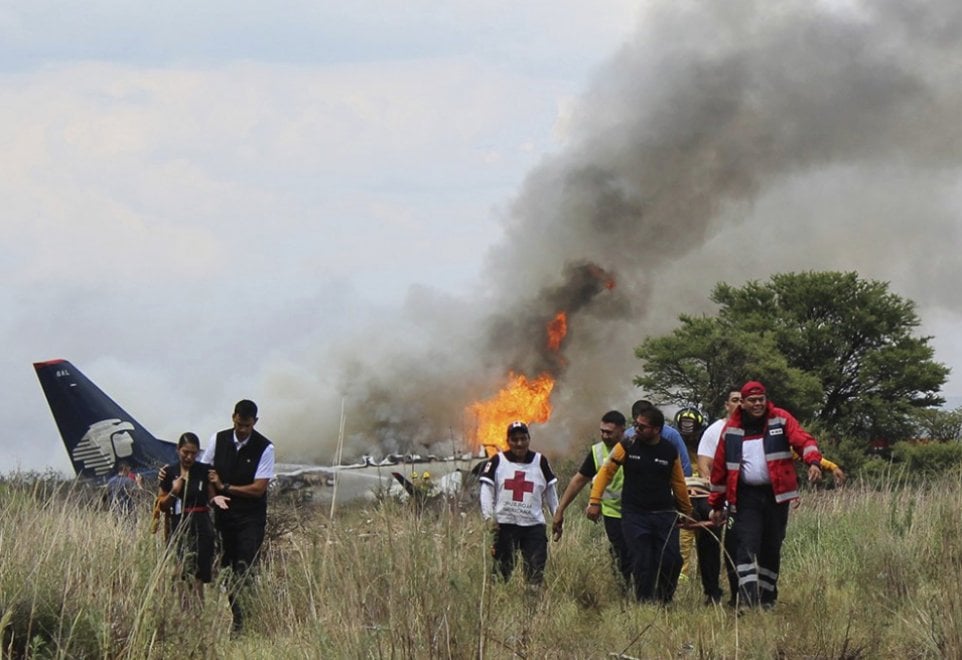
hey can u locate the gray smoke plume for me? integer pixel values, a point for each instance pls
(724, 142)
(517, 339)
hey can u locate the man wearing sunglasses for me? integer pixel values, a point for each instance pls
(754, 474)
(653, 493)
(668, 434)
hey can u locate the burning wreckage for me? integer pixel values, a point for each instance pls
(538, 337)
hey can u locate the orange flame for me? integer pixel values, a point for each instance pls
(520, 399)
(557, 329)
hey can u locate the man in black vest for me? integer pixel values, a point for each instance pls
(243, 463)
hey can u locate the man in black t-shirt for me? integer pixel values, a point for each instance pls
(653, 494)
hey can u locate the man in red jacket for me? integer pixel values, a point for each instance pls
(753, 474)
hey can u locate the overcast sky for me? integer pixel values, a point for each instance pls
(186, 184)
(203, 201)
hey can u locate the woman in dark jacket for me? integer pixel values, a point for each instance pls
(187, 493)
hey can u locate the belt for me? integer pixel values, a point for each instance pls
(743, 484)
(196, 509)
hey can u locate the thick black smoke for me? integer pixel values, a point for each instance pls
(725, 141)
(518, 340)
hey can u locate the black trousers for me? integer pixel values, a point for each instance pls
(730, 543)
(717, 547)
(194, 537)
(620, 556)
(531, 541)
(709, 550)
(241, 539)
(760, 525)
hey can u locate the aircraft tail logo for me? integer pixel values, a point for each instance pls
(103, 443)
(96, 431)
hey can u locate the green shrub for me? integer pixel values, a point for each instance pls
(913, 464)
(924, 461)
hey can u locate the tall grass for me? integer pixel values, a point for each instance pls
(865, 574)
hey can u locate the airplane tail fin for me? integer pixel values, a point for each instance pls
(96, 431)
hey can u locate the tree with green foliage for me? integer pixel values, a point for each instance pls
(703, 359)
(834, 348)
(939, 425)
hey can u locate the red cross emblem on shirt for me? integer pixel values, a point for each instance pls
(518, 486)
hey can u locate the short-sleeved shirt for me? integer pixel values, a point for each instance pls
(648, 477)
(588, 468)
(265, 466)
(709, 439)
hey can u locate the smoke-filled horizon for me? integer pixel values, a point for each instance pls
(306, 218)
(723, 142)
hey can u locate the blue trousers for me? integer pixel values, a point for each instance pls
(652, 540)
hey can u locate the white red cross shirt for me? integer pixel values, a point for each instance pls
(519, 489)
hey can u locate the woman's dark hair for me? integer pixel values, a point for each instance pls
(188, 439)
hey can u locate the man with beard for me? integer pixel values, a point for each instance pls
(652, 496)
(612, 430)
(668, 434)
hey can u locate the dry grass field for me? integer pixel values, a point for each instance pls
(866, 574)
